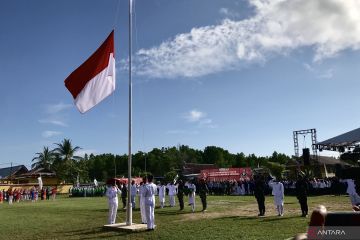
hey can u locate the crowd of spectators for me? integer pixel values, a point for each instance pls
(32, 194)
(316, 187)
(87, 191)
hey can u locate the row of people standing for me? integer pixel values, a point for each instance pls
(302, 188)
(26, 194)
(147, 191)
(181, 189)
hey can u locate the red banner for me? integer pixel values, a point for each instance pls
(226, 174)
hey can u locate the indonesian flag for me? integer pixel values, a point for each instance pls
(94, 80)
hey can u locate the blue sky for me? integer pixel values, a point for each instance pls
(242, 75)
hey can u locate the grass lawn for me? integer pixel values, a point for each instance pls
(228, 217)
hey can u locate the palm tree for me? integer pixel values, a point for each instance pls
(65, 165)
(43, 159)
(66, 151)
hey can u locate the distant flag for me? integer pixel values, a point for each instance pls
(94, 80)
(176, 178)
(95, 182)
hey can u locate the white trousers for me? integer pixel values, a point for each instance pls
(150, 216)
(142, 210)
(354, 198)
(133, 202)
(172, 200)
(113, 206)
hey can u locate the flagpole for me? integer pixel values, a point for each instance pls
(129, 205)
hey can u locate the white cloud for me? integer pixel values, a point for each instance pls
(277, 27)
(54, 122)
(194, 115)
(49, 134)
(207, 123)
(327, 74)
(56, 114)
(198, 117)
(324, 74)
(228, 13)
(56, 108)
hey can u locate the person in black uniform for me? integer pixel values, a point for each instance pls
(259, 192)
(302, 188)
(180, 194)
(124, 195)
(203, 191)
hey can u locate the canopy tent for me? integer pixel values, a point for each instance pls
(123, 180)
(338, 143)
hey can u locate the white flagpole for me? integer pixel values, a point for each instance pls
(129, 205)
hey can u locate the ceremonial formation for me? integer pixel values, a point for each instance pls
(210, 151)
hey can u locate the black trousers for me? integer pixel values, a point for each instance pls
(203, 202)
(303, 204)
(261, 204)
(123, 201)
(181, 201)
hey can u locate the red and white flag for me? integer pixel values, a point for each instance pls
(94, 80)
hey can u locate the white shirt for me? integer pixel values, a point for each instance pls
(277, 188)
(350, 186)
(149, 193)
(133, 190)
(112, 192)
(172, 189)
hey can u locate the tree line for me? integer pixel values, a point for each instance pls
(69, 167)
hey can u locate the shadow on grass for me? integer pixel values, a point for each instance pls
(93, 233)
(179, 212)
(262, 219)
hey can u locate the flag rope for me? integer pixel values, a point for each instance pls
(116, 14)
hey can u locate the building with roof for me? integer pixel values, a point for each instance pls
(8, 174)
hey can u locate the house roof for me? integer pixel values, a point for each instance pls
(39, 172)
(11, 171)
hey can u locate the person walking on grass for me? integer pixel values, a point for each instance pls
(192, 190)
(172, 193)
(278, 192)
(259, 192)
(302, 189)
(180, 193)
(203, 191)
(162, 193)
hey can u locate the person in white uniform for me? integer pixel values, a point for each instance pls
(142, 201)
(172, 193)
(162, 193)
(149, 194)
(134, 191)
(278, 192)
(354, 197)
(192, 189)
(112, 193)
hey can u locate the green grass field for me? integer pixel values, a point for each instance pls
(228, 217)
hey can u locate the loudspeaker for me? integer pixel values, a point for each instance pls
(306, 156)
